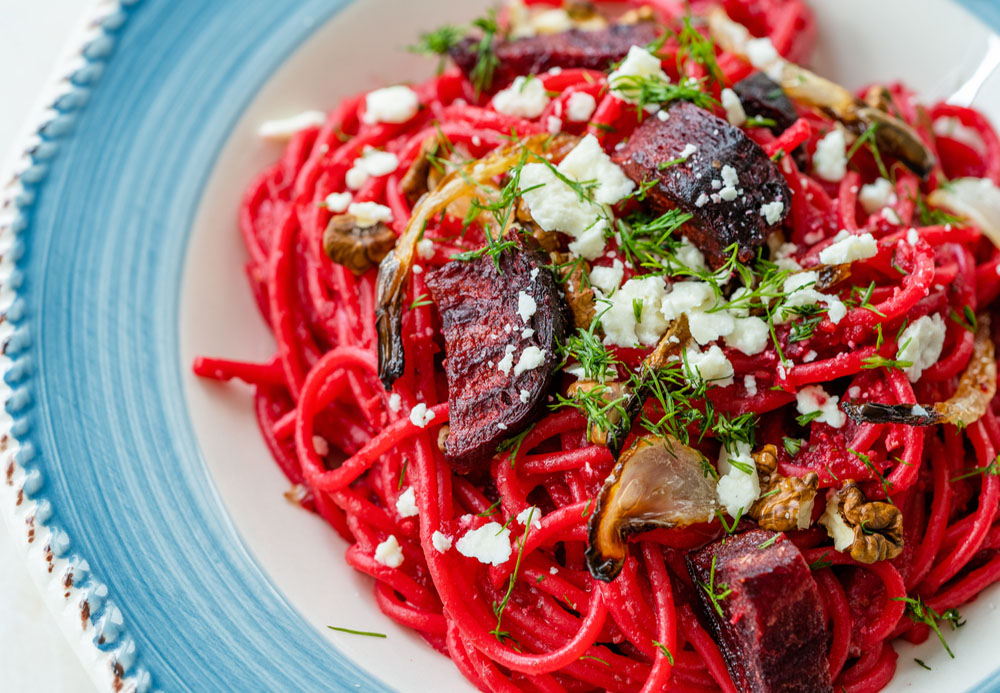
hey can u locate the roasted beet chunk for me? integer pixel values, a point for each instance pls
(762, 97)
(724, 180)
(500, 331)
(595, 50)
(771, 631)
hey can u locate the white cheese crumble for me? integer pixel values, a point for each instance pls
(320, 445)
(710, 366)
(750, 385)
(524, 396)
(830, 158)
(395, 402)
(488, 544)
(406, 504)
(734, 108)
(425, 248)
(620, 325)
(417, 269)
(874, 196)
(688, 150)
(527, 332)
(441, 542)
(764, 56)
(391, 105)
(749, 335)
(588, 161)
(814, 398)
(707, 327)
(285, 128)
(530, 514)
(580, 106)
(607, 279)
(420, 415)
(532, 357)
(507, 362)
(338, 202)
(526, 306)
(912, 237)
(921, 344)
(847, 247)
(553, 124)
(372, 162)
(738, 485)
(771, 211)
(369, 213)
(686, 297)
(389, 553)
(798, 286)
(701, 201)
(890, 215)
(638, 63)
(524, 98)
(689, 255)
(810, 356)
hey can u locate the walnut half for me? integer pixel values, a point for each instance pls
(872, 530)
(785, 502)
(358, 248)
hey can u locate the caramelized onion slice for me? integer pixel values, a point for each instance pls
(976, 199)
(657, 483)
(975, 390)
(474, 179)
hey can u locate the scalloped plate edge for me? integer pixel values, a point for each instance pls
(91, 622)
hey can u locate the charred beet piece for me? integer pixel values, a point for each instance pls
(771, 629)
(500, 331)
(762, 97)
(595, 50)
(716, 173)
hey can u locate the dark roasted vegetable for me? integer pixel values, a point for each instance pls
(658, 482)
(762, 97)
(490, 396)
(596, 50)
(763, 608)
(723, 214)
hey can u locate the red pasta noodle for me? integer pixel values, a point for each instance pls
(353, 452)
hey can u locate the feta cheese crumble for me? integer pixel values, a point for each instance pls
(734, 108)
(389, 553)
(488, 544)
(425, 248)
(638, 63)
(372, 162)
(814, 398)
(524, 98)
(391, 105)
(847, 247)
(771, 211)
(588, 161)
(532, 514)
(395, 402)
(874, 196)
(620, 325)
(749, 335)
(580, 106)
(524, 396)
(507, 362)
(406, 504)
(441, 542)
(320, 446)
(338, 202)
(285, 128)
(750, 385)
(921, 344)
(607, 279)
(368, 214)
(710, 366)
(738, 485)
(420, 415)
(526, 306)
(532, 357)
(830, 159)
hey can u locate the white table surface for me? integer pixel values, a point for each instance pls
(34, 655)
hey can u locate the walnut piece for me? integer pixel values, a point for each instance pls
(786, 502)
(356, 248)
(872, 530)
(579, 297)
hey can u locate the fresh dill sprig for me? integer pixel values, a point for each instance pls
(358, 632)
(921, 613)
(716, 593)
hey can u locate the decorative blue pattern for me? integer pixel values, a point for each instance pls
(101, 229)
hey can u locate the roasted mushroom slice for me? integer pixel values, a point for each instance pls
(871, 530)
(473, 180)
(892, 135)
(606, 392)
(579, 295)
(975, 391)
(501, 323)
(356, 247)
(415, 181)
(763, 608)
(657, 483)
(720, 176)
(596, 50)
(786, 502)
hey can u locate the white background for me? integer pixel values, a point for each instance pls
(34, 655)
